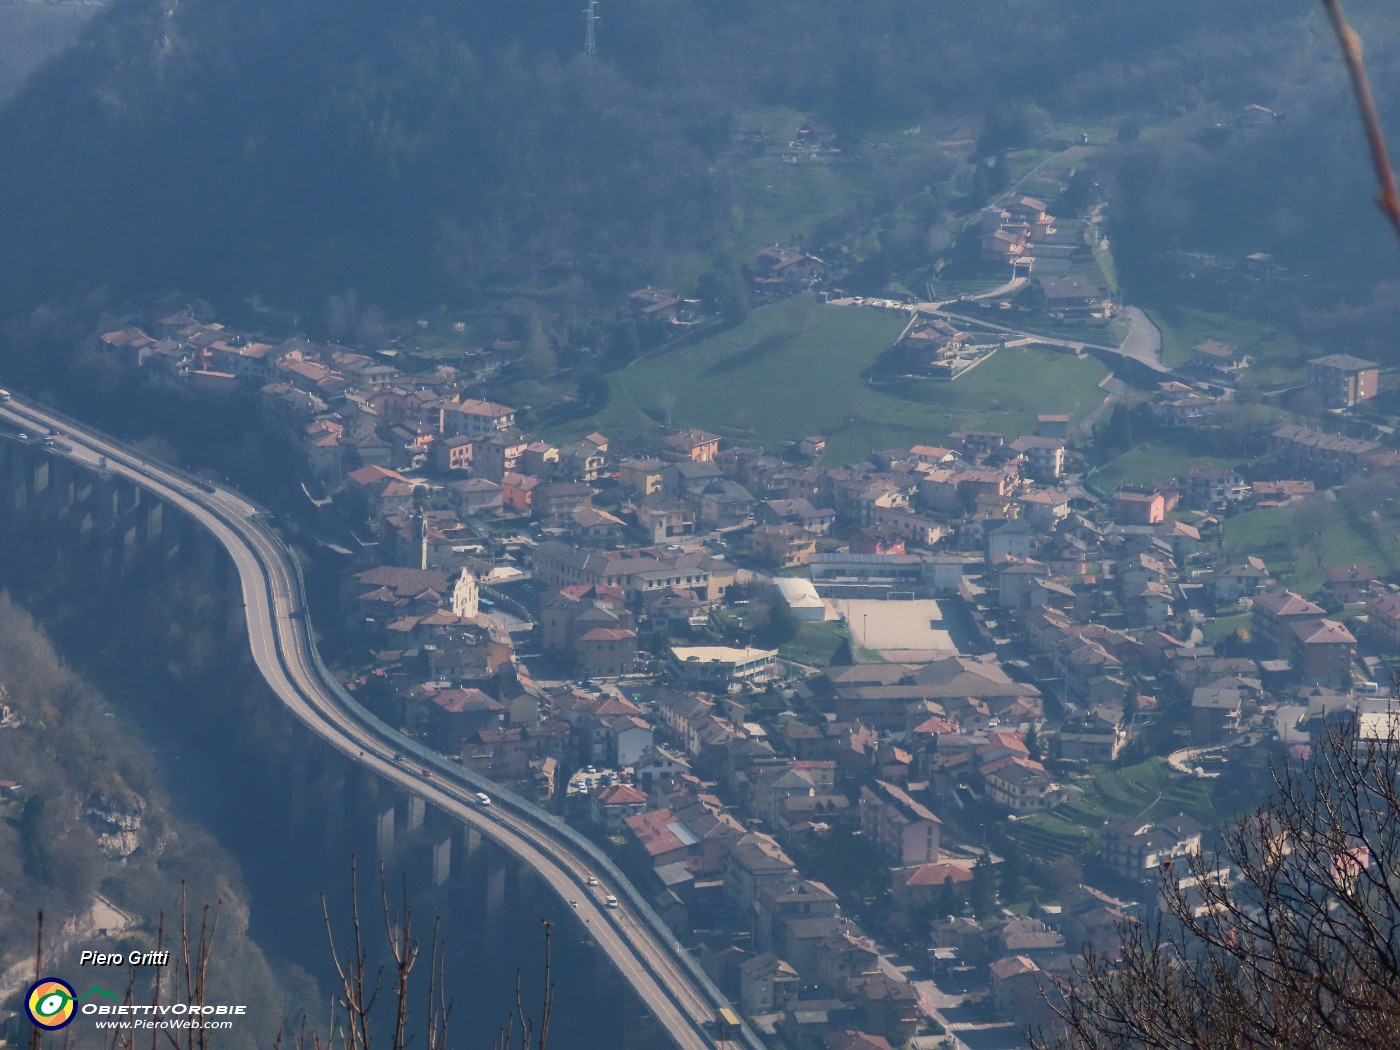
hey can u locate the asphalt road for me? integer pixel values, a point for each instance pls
(1142, 345)
(282, 648)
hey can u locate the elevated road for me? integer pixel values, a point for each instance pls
(664, 977)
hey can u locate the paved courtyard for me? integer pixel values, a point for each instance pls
(898, 626)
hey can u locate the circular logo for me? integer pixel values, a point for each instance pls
(50, 1003)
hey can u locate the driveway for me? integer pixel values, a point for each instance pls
(1144, 341)
(1114, 388)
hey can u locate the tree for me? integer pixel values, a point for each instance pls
(1118, 434)
(35, 834)
(540, 358)
(1315, 517)
(948, 902)
(983, 893)
(725, 291)
(1285, 936)
(1081, 193)
(778, 623)
(594, 389)
(667, 405)
(989, 178)
(359, 1016)
(1007, 126)
(1013, 874)
(621, 345)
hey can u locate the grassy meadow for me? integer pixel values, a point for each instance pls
(795, 368)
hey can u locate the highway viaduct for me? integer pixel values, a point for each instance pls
(128, 503)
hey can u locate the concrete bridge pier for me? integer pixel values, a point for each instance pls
(99, 507)
(414, 811)
(318, 792)
(471, 848)
(434, 846)
(13, 480)
(331, 800)
(38, 482)
(497, 881)
(484, 872)
(289, 777)
(123, 522)
(383, 821)
(384, 828)
(440, 857)
(63, 490)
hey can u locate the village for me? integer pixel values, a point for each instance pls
(887, 743)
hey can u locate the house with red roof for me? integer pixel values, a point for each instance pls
(612, 804)
(914, 886)
(454, 714)
(380, 490)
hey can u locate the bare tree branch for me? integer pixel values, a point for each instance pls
(36, 1036)
(1389, 196)
(1287, 935)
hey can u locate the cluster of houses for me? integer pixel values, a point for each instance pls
(341, 410)
(725, 759)
(1021, 234)
(1340, 381)
(1010, 233)
(778, 271)
(935, 347)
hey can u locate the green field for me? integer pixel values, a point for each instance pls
(1050, 837)
(1147, 790)
(1272, 534)
(815, 644)
(1219, 630)
(794, 369)
(1183, 327)
(1151, 461)
(1103, 258)
(1144, 791)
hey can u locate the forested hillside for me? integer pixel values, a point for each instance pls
(428, 152)
(313, 147)
(889, 60)
(83, 812)
(1297, 185)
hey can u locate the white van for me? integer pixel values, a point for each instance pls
(483, 798)
(611, 901)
